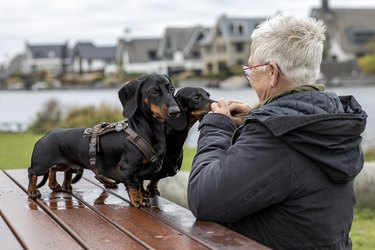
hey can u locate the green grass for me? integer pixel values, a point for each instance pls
(16, 149)
(188, 158)
(363, 229)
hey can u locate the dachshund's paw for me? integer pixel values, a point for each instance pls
(152, 188)
(56, 188)
(153, 191)
(137, 199)
(35, 194)
(145, 193)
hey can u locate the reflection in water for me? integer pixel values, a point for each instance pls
(97, 197)
(62, 202)
(32, 204)
(101, 199)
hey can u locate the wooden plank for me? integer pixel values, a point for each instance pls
(7, 239)
(208, 233)
(95, 232)
(29, 222)
(143, 226)
(130, 220)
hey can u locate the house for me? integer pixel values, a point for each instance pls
(87, 58)
(139, 55)
(228, 43)
(179, 49)
(53, 58)
(17, 65)
(349, 31)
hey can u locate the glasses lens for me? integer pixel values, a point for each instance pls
(246, 72)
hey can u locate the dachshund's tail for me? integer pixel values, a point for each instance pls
(78, 176)
(44, 180)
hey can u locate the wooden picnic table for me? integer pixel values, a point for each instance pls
(93, 217)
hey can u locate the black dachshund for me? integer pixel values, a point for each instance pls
(147, 103)
(194, 104)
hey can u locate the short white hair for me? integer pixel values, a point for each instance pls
(294, 43)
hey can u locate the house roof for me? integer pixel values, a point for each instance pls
(15, 64)
(88, 50)
(141, 50)
(233, 29)
(179, 39)
(352, 28)
(48, 51)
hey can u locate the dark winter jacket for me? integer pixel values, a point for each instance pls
(285, 177)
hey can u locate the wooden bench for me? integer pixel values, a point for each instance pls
(96, 218)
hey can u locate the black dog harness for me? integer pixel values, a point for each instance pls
(138, 141)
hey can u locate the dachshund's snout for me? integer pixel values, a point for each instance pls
(174, 111)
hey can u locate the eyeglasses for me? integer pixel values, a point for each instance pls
(247, 70)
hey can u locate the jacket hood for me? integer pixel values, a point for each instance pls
(321, 126)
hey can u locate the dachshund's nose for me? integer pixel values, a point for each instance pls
(174, 111)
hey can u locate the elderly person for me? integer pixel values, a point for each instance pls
(282, 172)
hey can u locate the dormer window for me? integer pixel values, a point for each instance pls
(51, 54)
(237, 28)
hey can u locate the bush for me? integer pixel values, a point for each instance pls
(51, 116)
(88, 116)
(48, 118)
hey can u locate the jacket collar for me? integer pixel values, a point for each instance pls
(302, 88)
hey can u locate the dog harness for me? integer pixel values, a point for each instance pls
(137, 140)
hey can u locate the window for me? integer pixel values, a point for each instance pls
(237, 28)
(363, 37)
(51, 54)
(239, 47)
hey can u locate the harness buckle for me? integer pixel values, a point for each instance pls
(92, 149)
(156, 163)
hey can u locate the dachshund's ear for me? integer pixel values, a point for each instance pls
(128, 96)
(180, 122)
(169, 79)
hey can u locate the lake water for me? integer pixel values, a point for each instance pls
(21, 107)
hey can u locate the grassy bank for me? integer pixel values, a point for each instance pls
(16, 149)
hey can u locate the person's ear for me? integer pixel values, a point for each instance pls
(274, 74)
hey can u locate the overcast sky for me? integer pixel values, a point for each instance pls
(103, 22)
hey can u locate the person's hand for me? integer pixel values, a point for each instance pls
(235, 110)
(220, 107)
(238, 111)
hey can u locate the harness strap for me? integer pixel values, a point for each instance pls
(104, 128)
(92, 149)
(94, 141)
(145, 148)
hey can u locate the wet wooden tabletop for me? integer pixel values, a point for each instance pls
(96, 218)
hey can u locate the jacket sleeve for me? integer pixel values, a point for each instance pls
(228, 182)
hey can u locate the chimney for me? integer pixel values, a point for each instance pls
(325, 6)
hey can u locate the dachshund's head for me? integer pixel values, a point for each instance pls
(194, 103)
(152, 94)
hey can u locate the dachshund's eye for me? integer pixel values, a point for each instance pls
(154, 91)
(196, 97)
(171, 89)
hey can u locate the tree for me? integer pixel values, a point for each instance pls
(367, 62)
